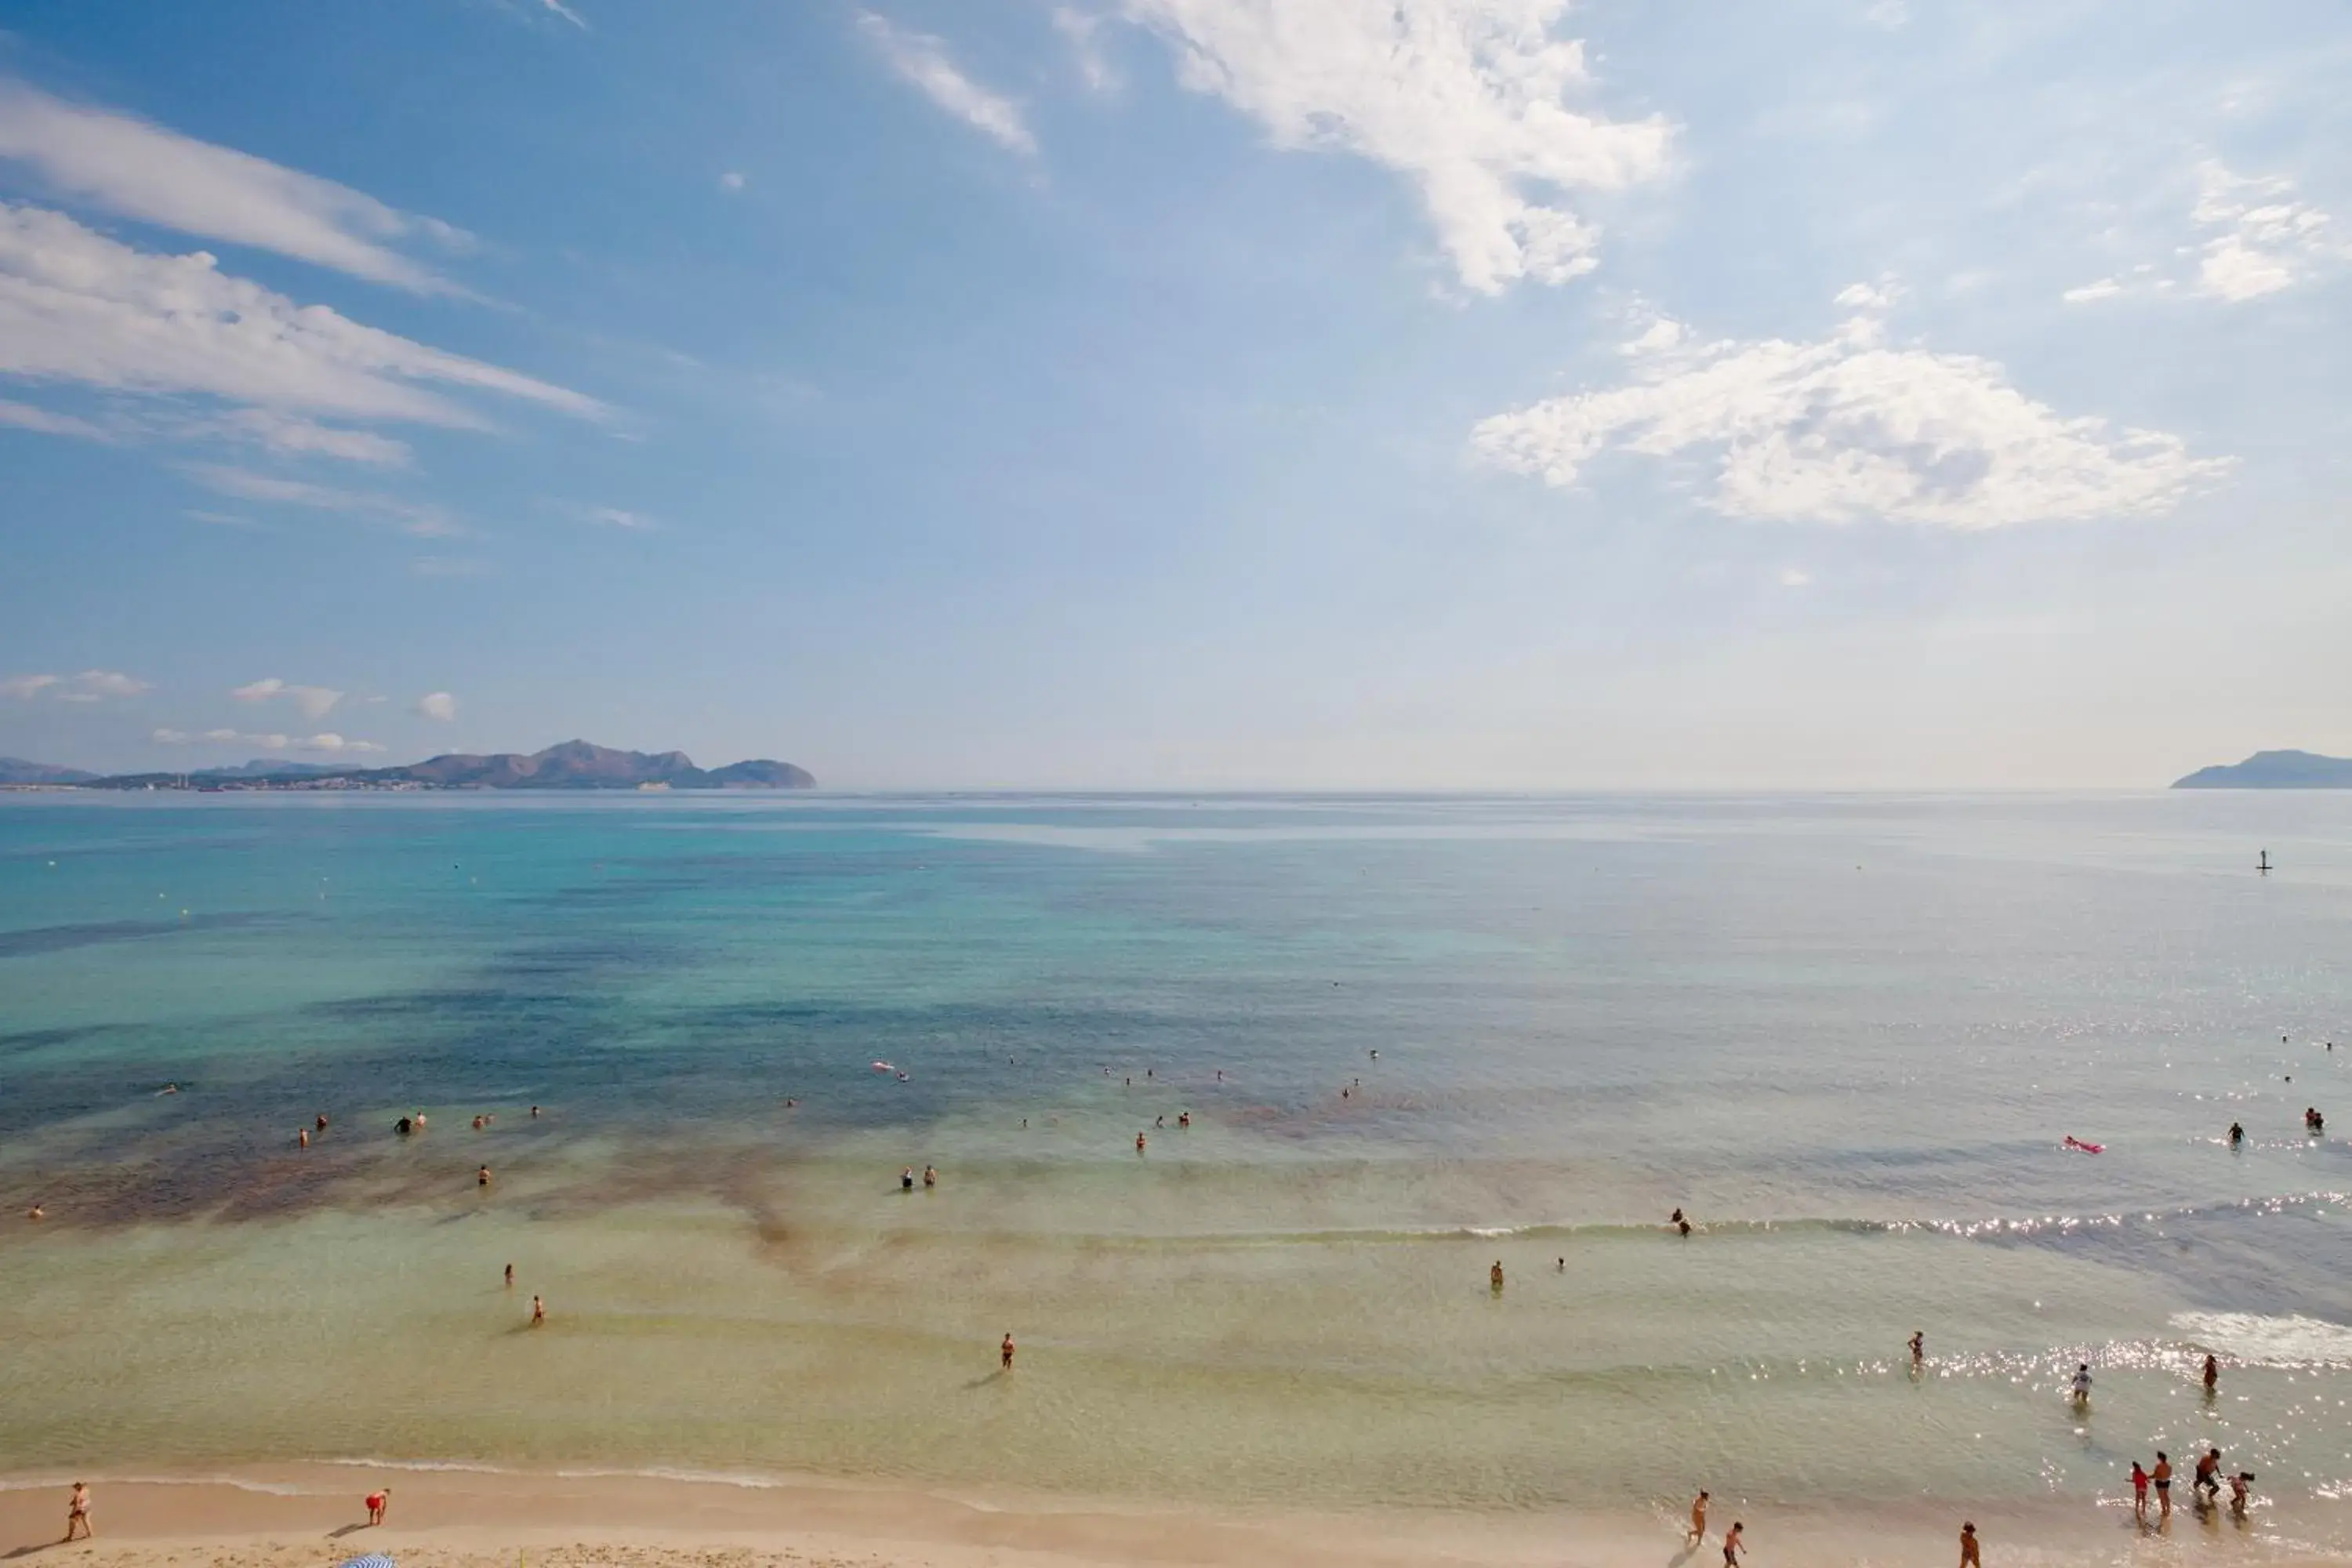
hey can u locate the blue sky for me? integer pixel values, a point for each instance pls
(1186, 393)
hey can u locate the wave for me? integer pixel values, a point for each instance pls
(238, 1483)
(2258, 1340)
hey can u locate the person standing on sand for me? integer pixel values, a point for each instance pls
(1698, 1521)
(538, 1311)
(1494, 1276)
(2139, 1491)
(77, 1513)
(1732, 1546)
(2162, 1476)
(1005, 1350)
(377, 1501)
(1968, 1553)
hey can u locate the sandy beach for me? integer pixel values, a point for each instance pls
(299, 1516)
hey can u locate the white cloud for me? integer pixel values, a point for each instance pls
(923, 60)
(2258, 240)
(25, 417)
(1465, 97)
(315, 701)
(439, 706)
(136, 170)
(2268, 242)
(78, 306)
(89, 686)
(1083, 29)
(294, 435)
(1878, 296)
(421, 518)
(730, 182)
(328, 743)
(567, 13)
(614, 517)
(1795, 577)
(1846, 430)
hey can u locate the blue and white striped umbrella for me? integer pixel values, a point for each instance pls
(373, 1560)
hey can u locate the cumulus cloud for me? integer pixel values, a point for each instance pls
(136, 170)
(1848, 429)
(923, 61)
(421, 518)
(315, 701)
(730, 182)
(77, 306)
(2258, 239)
(1467, 98)
(328, 743)
(438, 706)
(89, 686)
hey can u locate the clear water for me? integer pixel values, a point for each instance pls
(1847, 1034)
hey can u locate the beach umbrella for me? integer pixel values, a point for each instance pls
(373, 1560)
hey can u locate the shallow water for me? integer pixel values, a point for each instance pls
(1847, 1034)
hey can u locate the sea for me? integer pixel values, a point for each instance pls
(1414, 1039)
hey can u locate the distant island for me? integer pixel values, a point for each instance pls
(2275, 770)
(574, 765)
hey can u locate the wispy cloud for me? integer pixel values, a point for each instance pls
(89, 686)
(137, 170)
(422, 519)
(923, 60)
(1847, 430)
(441, 707)
(1084, 31)
(25, 417)
(328, 743)
(559, 8)
(611, 517)
(2258, 240)
(1467, 98)
(314, 701)
(78, 306)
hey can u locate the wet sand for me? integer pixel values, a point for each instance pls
(300, 1517)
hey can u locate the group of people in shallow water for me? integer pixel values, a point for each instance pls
(2314, 1123)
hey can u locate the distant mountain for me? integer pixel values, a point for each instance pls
(574, 764)
(16, 771)
(2275, 770)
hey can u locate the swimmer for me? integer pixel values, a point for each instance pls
(322, 1121)
(1184, 1118)
(906, 1180)
(37, 1214)
(930, 1175)
(2237, 1136)
(1221, 1075)
(538, 1311)
(2212, 1373)
(480, 1123)
(2162, 1476)
(1732, 1546)
(1675, 1217)
(1683, 1226)
(169, 1089)
(482, 1177)
(791, 1105)
(1698, 1521)
(1494, 1276)
(1005, 1351)
(1968, 1557)
(403, 1127)
(2139, 1491)
(510, 1276)
(1160, 1122)
(2083, 1383)
(2238, 1485)
(1560, 1266)
(1138, 1143)
(534, 1114)
(2207, 1483)
(420, 1121)
(1376, 1055)
(302, 1137)
(1918, 1346)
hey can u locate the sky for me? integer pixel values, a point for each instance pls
(1183, 395)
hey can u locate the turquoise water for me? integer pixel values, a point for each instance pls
(1847, 1034)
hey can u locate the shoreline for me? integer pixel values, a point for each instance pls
(453, 1516)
